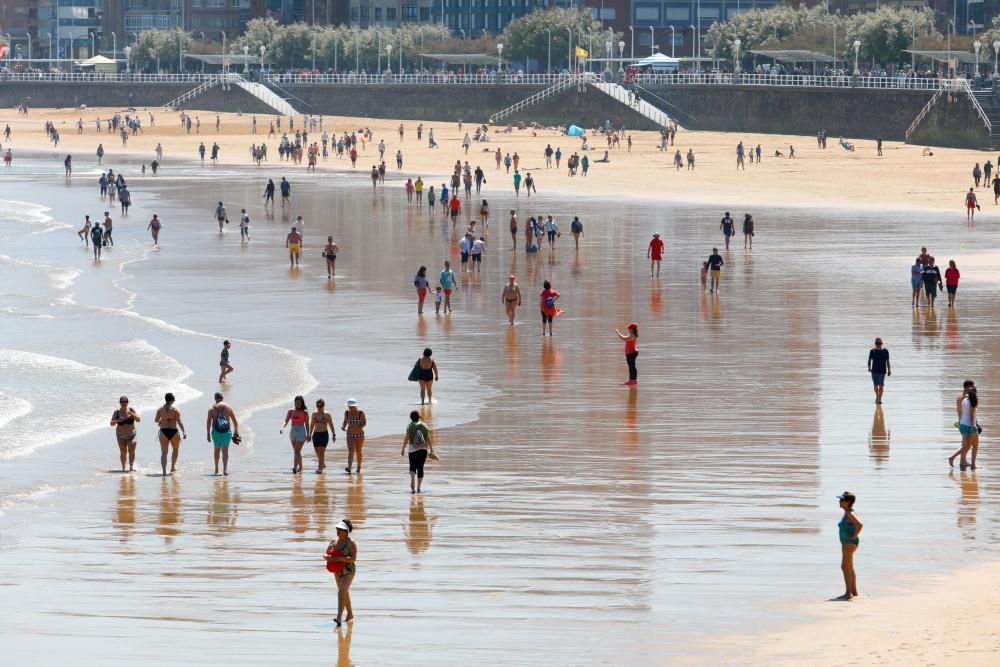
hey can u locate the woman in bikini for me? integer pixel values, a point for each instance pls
(124, 420)
(427, 375)
(320, 433)
(354, 424)
(330, 253)
(299, 418)
(513, 230)
(484, 213)
(84, 232)
(511, 297)
(168, 418)
(341, 556)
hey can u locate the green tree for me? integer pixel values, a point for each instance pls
(160, 48)
(528, 36)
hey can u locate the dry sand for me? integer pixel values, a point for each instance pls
(902, 179)
(944, 620)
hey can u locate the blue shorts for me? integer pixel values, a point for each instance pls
(297, 433)
(465, 257)
(966, 430)
(221, 439)
(878, 379)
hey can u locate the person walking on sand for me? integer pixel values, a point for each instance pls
(354, 425)
(294, 244)
(517, 183)
(951, 276)
(224, 367)
(168, 418)
(977, 174)
(932, 280)
(154, 229)
(286, 193)
(244, 226)
(547, 302)
(747, 231)
(971, 204)
(513, 230)
(728, 228)
(330, 251)
(124, 420)
(916, 280)
(968, 426)
(849, 529)
(511, 297)
(576, 229)
(715, 265)
(420, 282)
(427, 375)
(879, 367)
(631, 353)
(447, 280)
(417, 442)
(221, 428)
(341, 556)
(321, 433)
(654, 253)
(269, 192)
(221, 216)
(299, 432)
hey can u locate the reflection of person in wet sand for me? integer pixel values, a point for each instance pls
(418, 531)
(341, 555)
(849, 528)
(878, 440)
(124, 420)
(168, 418)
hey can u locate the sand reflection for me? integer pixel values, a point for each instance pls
(418, 529)
(223, 508)
(170, 509)
(124, 517)
(878, 439)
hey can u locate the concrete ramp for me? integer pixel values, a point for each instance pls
(638, 105)
(265, 95)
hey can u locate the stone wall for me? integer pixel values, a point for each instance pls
(122, 95)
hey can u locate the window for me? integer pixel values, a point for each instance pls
(644, 38)
(425, 13)
(378, 13)
(217, 4)
(390, 13)
(364, 12)
(647, 13)
(409, 12)
(709, 14)
(678, 14)
(354, 13)
(606, 13)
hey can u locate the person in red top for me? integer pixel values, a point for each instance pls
(631, 352)
(655, 253)
(455, 206)
(951, 276)
(547, 299)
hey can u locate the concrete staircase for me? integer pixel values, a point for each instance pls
(179, 101)
(265, 95)
(638, 105)
(984, 98)
(558, 87)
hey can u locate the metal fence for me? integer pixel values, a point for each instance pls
(793, 81)
(100, 77)
(437, 78)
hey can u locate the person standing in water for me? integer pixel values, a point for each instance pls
(576, 228)
(631, 353)
(84, 232)
(124, 420)
(417, 442)
(321, 434)
(849, 529)
(298, 434)
(747, 231)
(879, 367)
(354, 425)
(168, 418)
(330, 254)
(221, 216)
(513, 230)
(951, 276)
(511, 297)
(221, 428)
(244, 226)
(968, 426)
(224, 367)
(427, 375)
(294, 244)
(916, 280)
(447, 280)
(715, 269)
(154, 228)
(654, 253)
(728, 228)
(971, 204)
(341, 556)
(269, 192)
(547, 301)
(97, 239)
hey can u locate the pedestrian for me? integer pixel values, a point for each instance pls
(84, 232)
(168, 418)
(299, 432)
(438, 300)
(294, 244)
(154, 228)
(513, 230)
(416, 442)
(517, 183)
(849, 529)
(476, 253)
(916, 280)
(420, 282)
(341, 556)
(654, 253)
(321, 433)
(932, 280)
(447, 280)
(484, 214)
(879, 367)
(269, 193)
(426, 372)
(547, 302)
(971, 205)
(631, 353)
(747, 231)
(354, 425)
(124, 420)
(108, 238)
(221, 428)
(977, 174)
(97, 239)
(408, 186)
(286, 193)
(968, 426)
(511, 297)
(715, 264)
(221, 216)
(225, 368)
(244, 226)
(728, 228)
(330, 251)
(704, 275)
(951, 276)
(576, 229)
(552, 231)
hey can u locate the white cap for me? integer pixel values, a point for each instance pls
(343, 526)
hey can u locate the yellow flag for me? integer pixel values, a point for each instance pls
(582, 53)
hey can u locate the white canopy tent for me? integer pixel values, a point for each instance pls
(659, 61)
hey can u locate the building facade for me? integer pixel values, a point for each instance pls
(67, 28)
(677, 27)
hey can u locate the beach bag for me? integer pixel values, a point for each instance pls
(221, 422)
(532, 247)
(415, 373)
(550, 302)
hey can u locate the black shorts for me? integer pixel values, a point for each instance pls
(321, 438)
(477, 258)
(952, 288)
(546, 318)
(454, 214)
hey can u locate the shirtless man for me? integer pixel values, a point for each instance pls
(511, 297)
(224, 367)
(294, 244)
(168, 418)
(154, 229)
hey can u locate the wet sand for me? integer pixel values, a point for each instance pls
(571, 517)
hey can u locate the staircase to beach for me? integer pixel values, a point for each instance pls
(266, 95)
(179, 101)
(637, 104)
(991, 111)
(555, 88)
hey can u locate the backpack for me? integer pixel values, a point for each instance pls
(576, 226)
(550, 302)
(221, 422)
(416, 435)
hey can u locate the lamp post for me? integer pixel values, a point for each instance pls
(621, 57)
(29, 46)
(607, 48)
(180, 52)
(672, 41)
(569, 51)
(857, 47)
(313, 48)
(246, 60)
(10, 49)
(400, 50)
(736, 56)
(996, 55)
(50, 51)
(834, 47)
(357, 67)
(951, 28)
(590, 48)
(652, 40)
(499, 57)
(388, 58)
(378, 53)
(913, 57)
(336, 47)
(114, 49)
(263, 50)
(128, 58)
(462, 30)
(93, 44)
(548, 69)
(972, 27)
(977, 45)
(631, 49)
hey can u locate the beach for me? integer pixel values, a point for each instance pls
(571, 519)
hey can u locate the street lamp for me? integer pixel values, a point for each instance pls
(93, 44)
(128, 57)
(549, 67)
(180, 53)
(246, 61)
(972, 26)
(499, 57)
(388, 58)
(50, 50)
(569, 53)
(462, 30)
(621, 57)
(631, 49)
(263, 50)
(652, 40)
(857, 47)
(951, 28)
(607, 48)
(996, 55)
(977, 45)
(357, 68)
(114, 49)
(313, 54)
(671, 41)
(736, 56)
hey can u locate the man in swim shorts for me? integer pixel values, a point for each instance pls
(294, 244)
(225, 368)
(728, 228)
(715, 269)
(221, 428)
(447, 280)
(879, 367)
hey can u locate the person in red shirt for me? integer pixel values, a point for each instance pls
(547, 301)
(455, 206)
(951, 276)
(655, 253)
(631, 352)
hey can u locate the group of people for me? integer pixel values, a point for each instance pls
(925, 277)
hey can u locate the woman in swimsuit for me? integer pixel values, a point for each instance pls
(124, 420)
(84, 233)
(427, 375)
(330, 253)
(341, 556)
(168, 418)
(299, 417)
(484, 213)
(511, 297)
(513, 230)
(354, 424)
(849, 528)
(320, 433)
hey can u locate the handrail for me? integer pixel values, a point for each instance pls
(191, 94)
(294, 97)
(923, 112)
(978, 107)
(667, 102)
(532, 99)
(640, 106)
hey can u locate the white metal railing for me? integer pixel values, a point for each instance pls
(537, 97)
(191, 94)
(791, 80)
(265, 95)
(976, 105)
(416, 79)
(89, 77)
(923, 112)
(638, 105)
